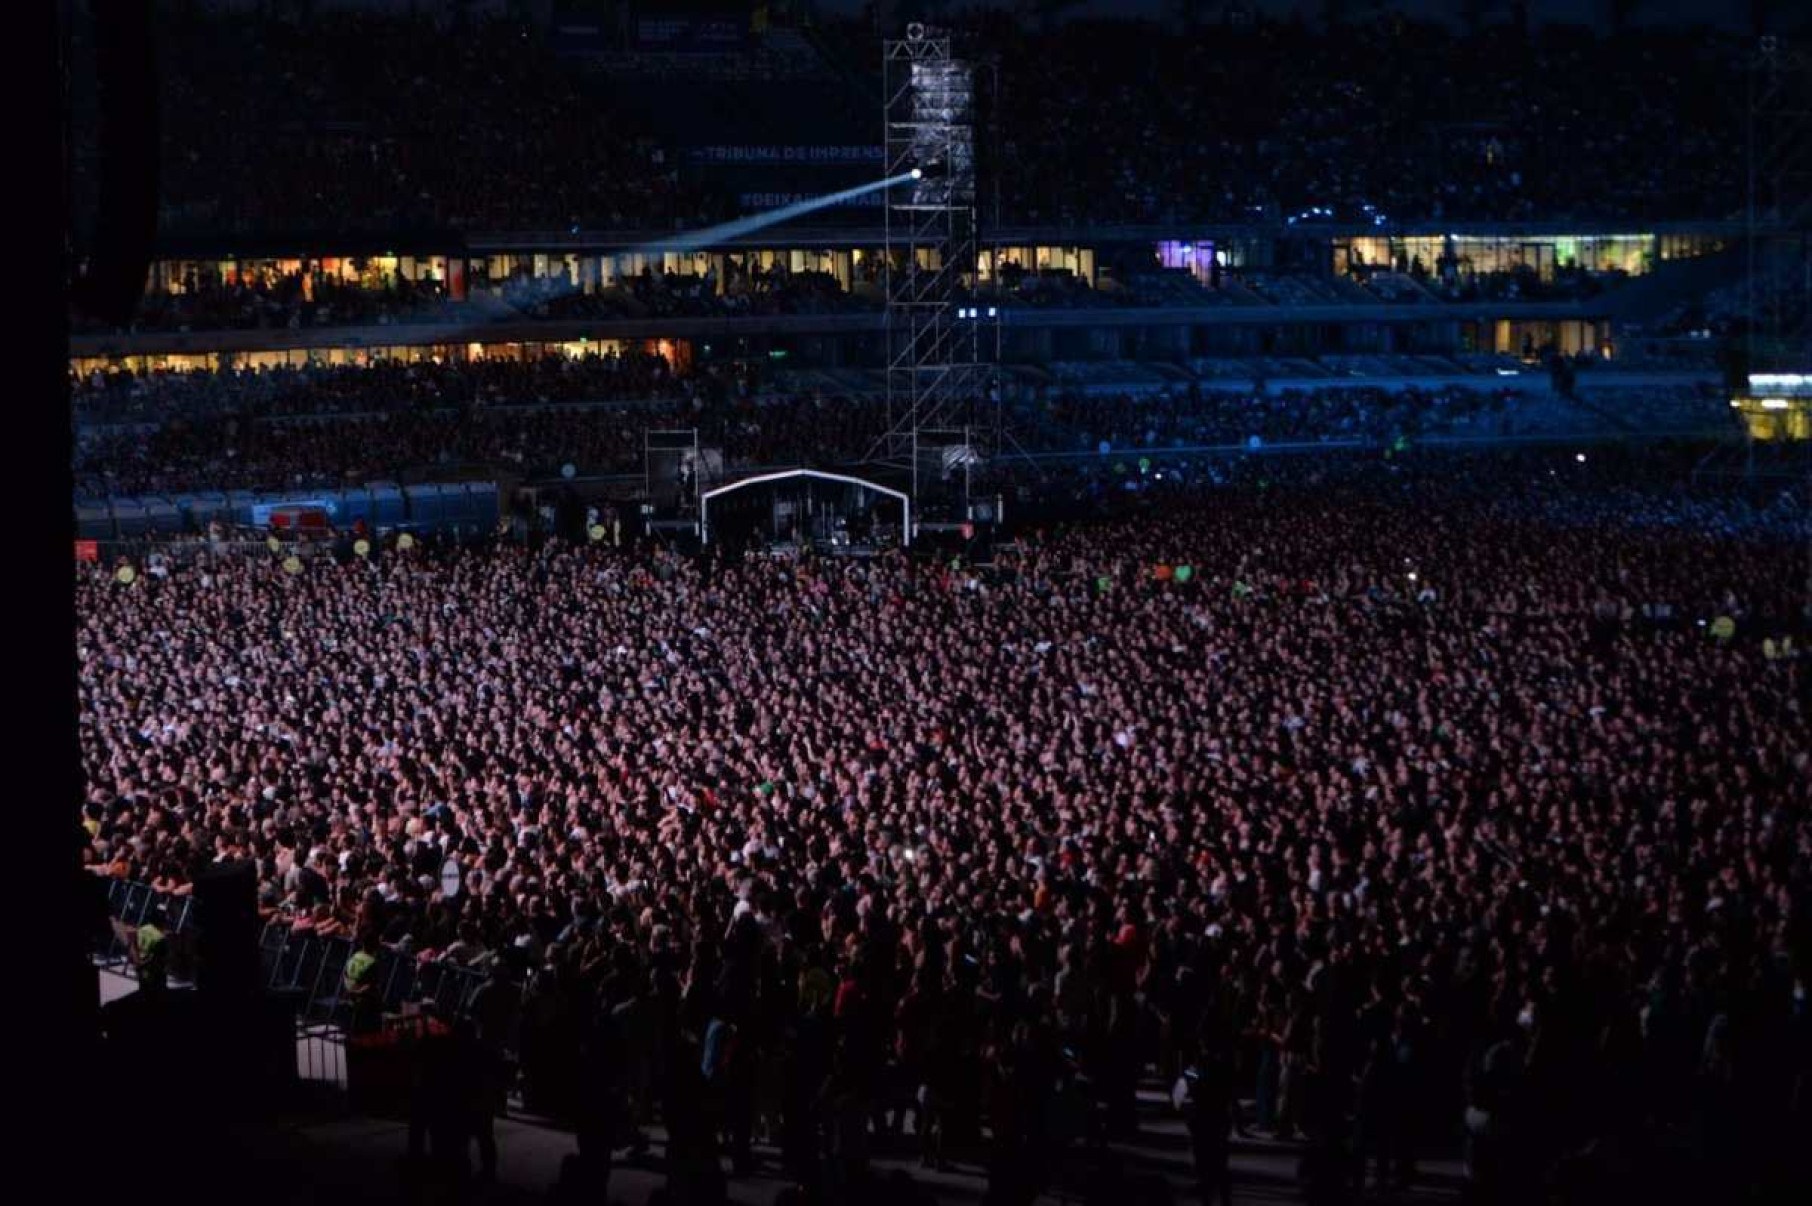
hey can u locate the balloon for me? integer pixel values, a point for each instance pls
(405, 542)
(125, 575)
(1185, 572)
(362, 547)
(292, 564)
(596, 532)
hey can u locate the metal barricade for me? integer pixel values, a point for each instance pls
(131, 904)
(306, 968)
(327, 1005)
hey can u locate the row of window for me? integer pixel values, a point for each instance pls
(1435, 255)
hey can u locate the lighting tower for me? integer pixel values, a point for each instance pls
(942, 395)
(1780, 207)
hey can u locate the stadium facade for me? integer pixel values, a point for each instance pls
(1164, 297)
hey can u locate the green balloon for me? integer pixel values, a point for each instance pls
(1185, 572)
(1144, 464)
(1102, 583)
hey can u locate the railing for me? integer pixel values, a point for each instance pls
(313, 969)
(182, 548)
(1378, 443)
(131, 904)
(307, 970)
(388, 504)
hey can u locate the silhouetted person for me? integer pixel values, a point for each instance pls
(1208, 1111)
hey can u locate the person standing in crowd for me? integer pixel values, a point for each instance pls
(1206, 1098)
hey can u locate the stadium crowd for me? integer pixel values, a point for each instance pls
(1182, 418)
(384, 121)
(291, 427)
(1411, 816)
(230, 454)
(1109, 121)
(393, 121)
(288, 301)
(123, 395)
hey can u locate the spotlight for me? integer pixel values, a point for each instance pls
(918, 174)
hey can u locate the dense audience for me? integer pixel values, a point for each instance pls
(274, 301)
(1197, 417)
(1112, 121)
(385, 385)
(1387, 803)
(320, 426)
(271, 301)
(382, 121)
(1449, 801)
(230, 453)
(746, 293)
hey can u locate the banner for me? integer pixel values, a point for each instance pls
(756, 202)
(835, 156)
(261, 512)
(690, 35)
(88, 550)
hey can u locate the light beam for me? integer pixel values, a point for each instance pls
(714, 236)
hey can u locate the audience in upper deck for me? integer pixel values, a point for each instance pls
(384, 121)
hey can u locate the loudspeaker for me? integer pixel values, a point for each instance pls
(226, 918)
(125, 227)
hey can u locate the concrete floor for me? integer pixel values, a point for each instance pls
(318, 1151)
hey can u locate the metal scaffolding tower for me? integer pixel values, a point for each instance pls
(942, 393)
(1779, 211)
(1777, 331)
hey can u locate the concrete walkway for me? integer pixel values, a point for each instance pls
(319, 1151)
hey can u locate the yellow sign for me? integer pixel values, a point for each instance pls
(362, 547)
(125, 575)
(405, 542)
(596, 532)
(292, 564)
(272, 543)
(1723, 628)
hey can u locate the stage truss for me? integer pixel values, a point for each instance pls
(942, 350)
(1779, 211)
(1778, 283)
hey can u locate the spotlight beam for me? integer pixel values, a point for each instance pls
(713, 236)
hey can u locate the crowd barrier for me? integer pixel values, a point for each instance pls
(307, 969)
(129, 906)
(428, 505)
